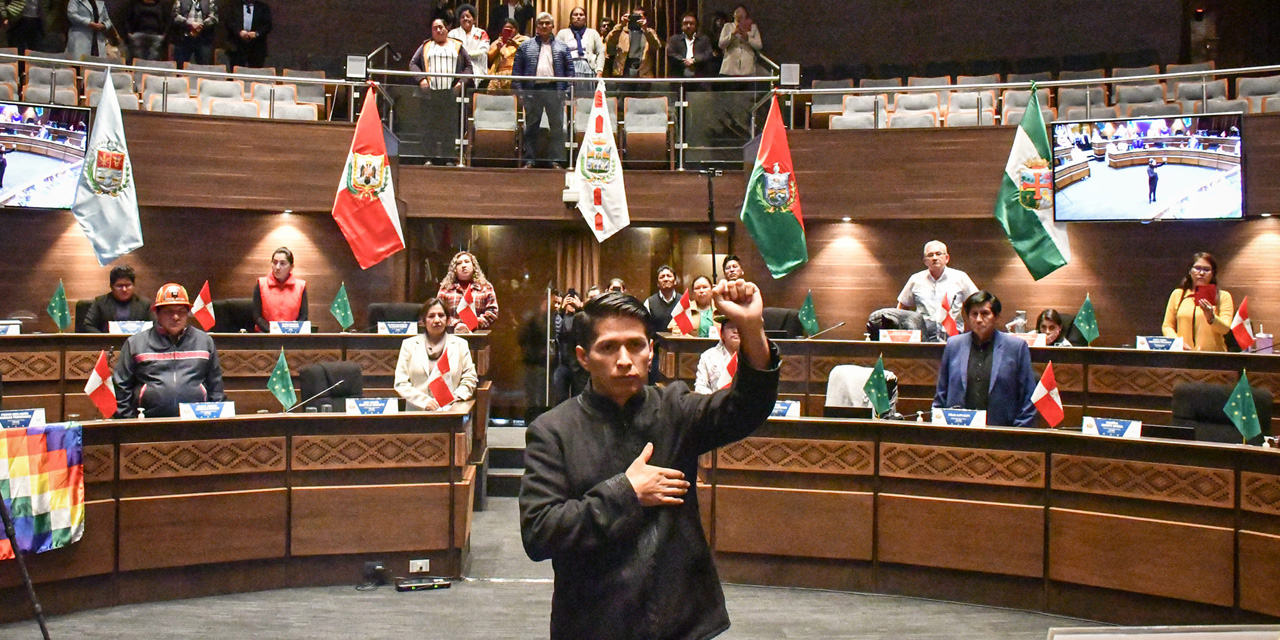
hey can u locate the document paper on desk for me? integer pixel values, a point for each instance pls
(42, 479)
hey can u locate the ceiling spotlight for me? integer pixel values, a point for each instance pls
(846, 219)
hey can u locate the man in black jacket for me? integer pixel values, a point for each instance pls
(121, 303)
(605, 494)
(247, 30)
(168, 365)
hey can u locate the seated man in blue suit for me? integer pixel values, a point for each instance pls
(987, 369)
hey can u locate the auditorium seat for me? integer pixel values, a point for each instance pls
(315, 378)
(174, 104)
(9, 73)
(210, 89)
(971, 118)
(1019, 98)
(50, 78)
(971, 101)
(913, 120)
(1080, 97)
(856, 121)
(1188, 92)
(195, 80)
(825, 105)
(846, 386)
(1088, 74)
(1185, 68)
(923, 81)
(872, 105)
(1271, 105)
(232, 315)
(391, 312)
(1039, 76)
(41, 94)
(645, 126)
(582, 116)
(126, 99)
(1133, 72)
(784, 320)
(82, 311)
(1255, 90)
(495, 127)
(123, 82)
(159, 86)
(234, 107)
(1146, 94)
(255, 71)
(1153, 110)
(265, 95)
(991, 78)
(878, 83)
(157, 64)
(1098, 113)
(1014, 116)
(916, 102)
(8, 91)
(1222, 106)
(309, 93)
(292, 111)
(1200, 405)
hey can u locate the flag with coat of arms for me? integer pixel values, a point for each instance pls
(771, 207)
(106, 205)
(602, 197)
(365, 207)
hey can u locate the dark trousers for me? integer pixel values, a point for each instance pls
(536, 103)
(26, 34)
(1151, 188)
(249, 55)
(197, 50)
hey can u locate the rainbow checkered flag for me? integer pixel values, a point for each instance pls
(42, 483)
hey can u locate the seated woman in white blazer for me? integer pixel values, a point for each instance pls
(420, 355)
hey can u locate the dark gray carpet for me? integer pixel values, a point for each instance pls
(507, 596)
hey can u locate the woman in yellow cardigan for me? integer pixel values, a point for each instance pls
(1202, 328)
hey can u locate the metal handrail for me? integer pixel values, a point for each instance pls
(608, 81)
(175, 72)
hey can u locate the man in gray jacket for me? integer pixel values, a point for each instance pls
(193, 21)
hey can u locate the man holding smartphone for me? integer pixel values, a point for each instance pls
(634, 46)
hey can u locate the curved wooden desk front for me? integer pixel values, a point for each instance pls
(1126, 531)
(180, 508)
(1219, 160)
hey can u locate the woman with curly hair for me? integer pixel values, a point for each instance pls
(469, 294)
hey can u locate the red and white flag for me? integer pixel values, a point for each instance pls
(1241, 328)
(681, 314)
(436, 384)
(467, 310)
(365, 207)
(100, 389)
(730, 371)
(202, 308)
(602, 198)
(1046, 398)
(949, 322)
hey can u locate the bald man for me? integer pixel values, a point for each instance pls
(926, 290)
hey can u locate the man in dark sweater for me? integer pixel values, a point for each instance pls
(605, 494)
(121, 303)
(659, 306)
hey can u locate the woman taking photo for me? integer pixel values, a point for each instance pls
(1201, 321)
(465, 282)
(420, 358)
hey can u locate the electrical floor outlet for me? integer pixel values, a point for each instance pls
(419, 566)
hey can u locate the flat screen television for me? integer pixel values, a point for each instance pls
(1173, 168)
(43, 152)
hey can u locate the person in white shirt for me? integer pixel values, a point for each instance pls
(926, 290)
(713, 367)
(474, 39)
(688, 52)
(420, 357)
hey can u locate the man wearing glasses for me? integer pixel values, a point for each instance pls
(927, 290)
(121, 303)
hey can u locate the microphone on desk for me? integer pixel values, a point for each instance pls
(825, 330)
(304, 402)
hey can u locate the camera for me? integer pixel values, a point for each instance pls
(633, 21)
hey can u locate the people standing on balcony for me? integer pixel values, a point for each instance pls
(688, 52)
(740, 42)
(247, 30)
(194, 21)
(502, 55)
(634, 46)
(474, 39)
(441, 54)
(545, 57)
(586, 49)
(89, 25)
(146, 22)
(519, 10)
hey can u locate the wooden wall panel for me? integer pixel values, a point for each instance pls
(94, 554)
(332, 520)
(189, 458)
(1260, 572)
(1155, 557)
(962, 534)
(791, 455)
(175, 531)
(793, 522)
(1145, 480)
(963, 464)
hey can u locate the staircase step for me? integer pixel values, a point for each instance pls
(504, 482)
(506, 457)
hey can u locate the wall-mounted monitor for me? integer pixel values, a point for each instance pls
(1173, 168)
(43, 152)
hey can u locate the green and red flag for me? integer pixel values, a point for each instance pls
(1024, 207)
(771, 208)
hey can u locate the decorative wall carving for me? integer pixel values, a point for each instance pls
(237, 363)
(80, 363)
(375, 363)
(313, 453)
(99, 463)
(183, 458)
(29, 366)
(842, 457)
(1145, 480)
(959, 464)
(1260, 491)
(1147, 381)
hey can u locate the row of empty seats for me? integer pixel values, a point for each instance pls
(643, 131)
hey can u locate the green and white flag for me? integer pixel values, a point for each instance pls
(58, 309)
(280, 384)
(341, 308)
(809, 315)
(877, 389)
(1024, 207)
(1086, 322)
(1241, 410)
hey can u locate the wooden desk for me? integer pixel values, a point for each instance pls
(50, 370)
(180, 509)
(1190, 157)
(1126, 531)
(1110, 383)
(1067, 174)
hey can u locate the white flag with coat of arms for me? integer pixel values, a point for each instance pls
(602, 198)
(106, 206)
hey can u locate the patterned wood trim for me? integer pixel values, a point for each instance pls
(1144, 381)
(1260, 492)
(29, 366)
(239, 364)
(99, 463)
(793, 369)
(792, 455)
(383, 451)
(1146, 480)
(80, 363)
(687, 366)
(820, 366)
(375, 362)
(480, 358)
(185, 458)
(959, 464)
(1070, 377)
(913, 372)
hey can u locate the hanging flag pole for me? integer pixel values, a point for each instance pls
(365, 206)
(771, 207)
(602, 195)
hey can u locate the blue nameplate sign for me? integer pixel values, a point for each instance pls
(206, 410)
(373, 406)
(786, 409)
(10, 328)
(128, 327)
(22, 418)
(290, 326)
(1112, 427)
(1158, 343)
(399, 327)
(959, 417)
